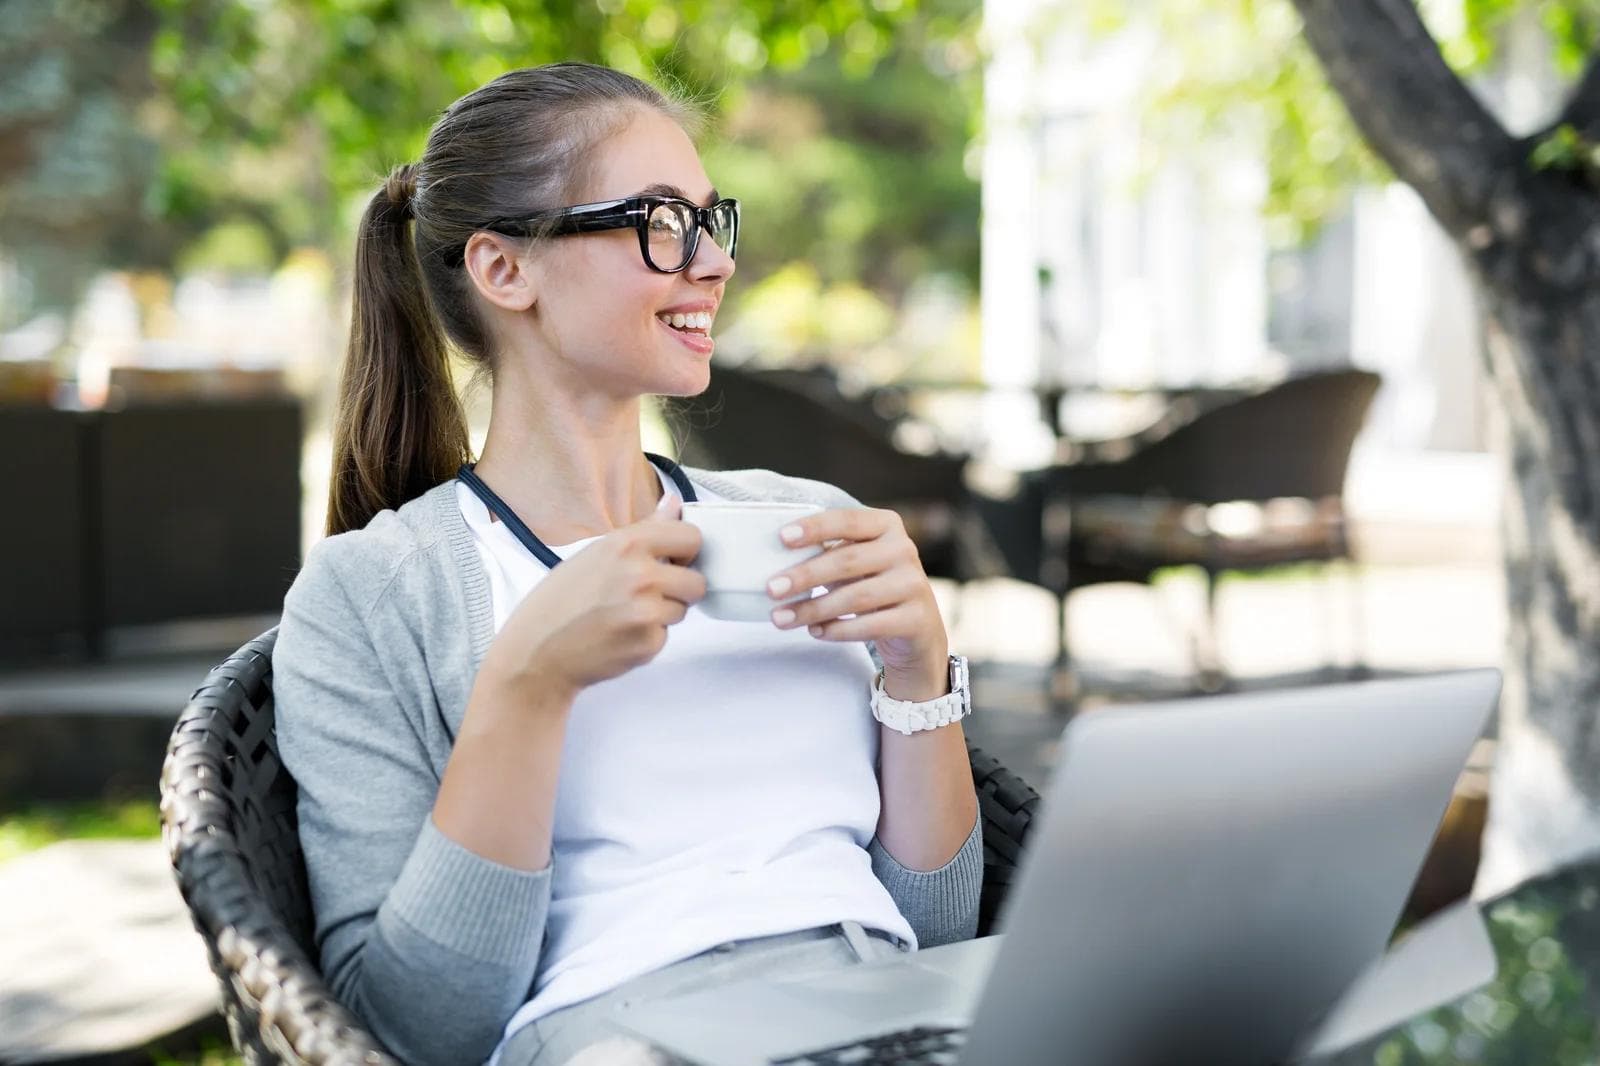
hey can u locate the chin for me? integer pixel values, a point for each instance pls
(691, 382)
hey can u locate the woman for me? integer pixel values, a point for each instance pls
(520, 803)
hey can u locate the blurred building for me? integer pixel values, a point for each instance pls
(1096, 274)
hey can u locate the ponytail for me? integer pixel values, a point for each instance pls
(398, 428)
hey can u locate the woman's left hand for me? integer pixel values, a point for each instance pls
(872, 571)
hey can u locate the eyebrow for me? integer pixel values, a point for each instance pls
(663, 189)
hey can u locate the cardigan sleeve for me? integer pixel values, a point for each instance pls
(940, 905)
(433, 946)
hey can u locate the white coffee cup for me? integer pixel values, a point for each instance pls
(740, 551)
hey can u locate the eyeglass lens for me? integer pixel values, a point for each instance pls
(671, 228)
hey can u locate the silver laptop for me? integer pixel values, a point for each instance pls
(1205, 880)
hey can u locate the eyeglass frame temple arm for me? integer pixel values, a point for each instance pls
(587, 218)
(597, 217)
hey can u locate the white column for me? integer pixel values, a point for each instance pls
(1010, 256)
(1395, 286)
(1234, 264)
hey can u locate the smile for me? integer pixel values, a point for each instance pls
(695, 338)
(697, 321)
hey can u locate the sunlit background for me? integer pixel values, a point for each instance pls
(1014, 237)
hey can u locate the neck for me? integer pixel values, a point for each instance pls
(570, 469)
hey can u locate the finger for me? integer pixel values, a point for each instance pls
(861, 597)
(681, 584)
(669, 612)
(650, 612)
(853, 523)
(879, 625)
(665, 539)
(837, 565)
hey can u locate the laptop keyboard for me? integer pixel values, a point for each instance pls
(934, 1045)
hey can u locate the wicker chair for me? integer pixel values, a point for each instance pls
(1123, 519)
(228, 821)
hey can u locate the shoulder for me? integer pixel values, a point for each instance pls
(772, 486)
(363, 563)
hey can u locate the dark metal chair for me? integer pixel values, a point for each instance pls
(800, 422)
(1285, 449)
(228, 821)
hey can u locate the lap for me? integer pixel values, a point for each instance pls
(618, 1050)
(592, 1033)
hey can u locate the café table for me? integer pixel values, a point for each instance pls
(899, 396)
(1543, 1006)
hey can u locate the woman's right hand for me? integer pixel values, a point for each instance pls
(604, 611)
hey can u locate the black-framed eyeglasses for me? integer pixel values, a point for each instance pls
(668, 227)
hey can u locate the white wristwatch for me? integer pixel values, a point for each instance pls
(904, 716)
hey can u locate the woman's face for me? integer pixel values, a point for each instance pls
(600, 309)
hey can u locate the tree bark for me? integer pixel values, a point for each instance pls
(1545, 796)
(1532, 243)
(1409, 105)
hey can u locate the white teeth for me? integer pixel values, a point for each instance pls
(694, 320)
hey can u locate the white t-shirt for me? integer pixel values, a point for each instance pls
(727, 789)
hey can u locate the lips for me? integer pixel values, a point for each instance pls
(695, 340)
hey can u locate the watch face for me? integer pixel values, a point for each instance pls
(959, 680)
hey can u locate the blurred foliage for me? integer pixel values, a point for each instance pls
(34, 827)
(791, 311)
(244, 128)
(210, 1053)
(1235, 69)
(365, 78)
(1540, 1006)
(131, 129)
(863, 178)
(1568, 149)
(843, 125)
(72, 158)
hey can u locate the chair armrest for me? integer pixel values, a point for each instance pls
(1006, 804)
(227, 817)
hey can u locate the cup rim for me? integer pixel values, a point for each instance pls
(750, 505)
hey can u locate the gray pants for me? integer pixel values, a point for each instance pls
(589, 1032)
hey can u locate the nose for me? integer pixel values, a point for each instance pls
(710, 262)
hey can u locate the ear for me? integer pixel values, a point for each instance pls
(501, 270)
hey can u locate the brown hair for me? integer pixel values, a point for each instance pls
(519, 145)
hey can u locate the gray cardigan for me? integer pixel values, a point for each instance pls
(383, 631)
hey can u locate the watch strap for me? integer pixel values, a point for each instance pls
(910, 716)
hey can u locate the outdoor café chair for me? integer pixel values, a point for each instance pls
(803, 423)
(228, 822)
(1282, 453)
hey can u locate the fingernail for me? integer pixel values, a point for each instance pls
(779, 585)
(815, 631)
(790, 534)
(783, 616)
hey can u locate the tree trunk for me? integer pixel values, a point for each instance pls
(1532, 241)
(1544, 356)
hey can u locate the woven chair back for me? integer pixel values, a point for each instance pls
(1293, 439)
(802, 425)
(228, 821)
